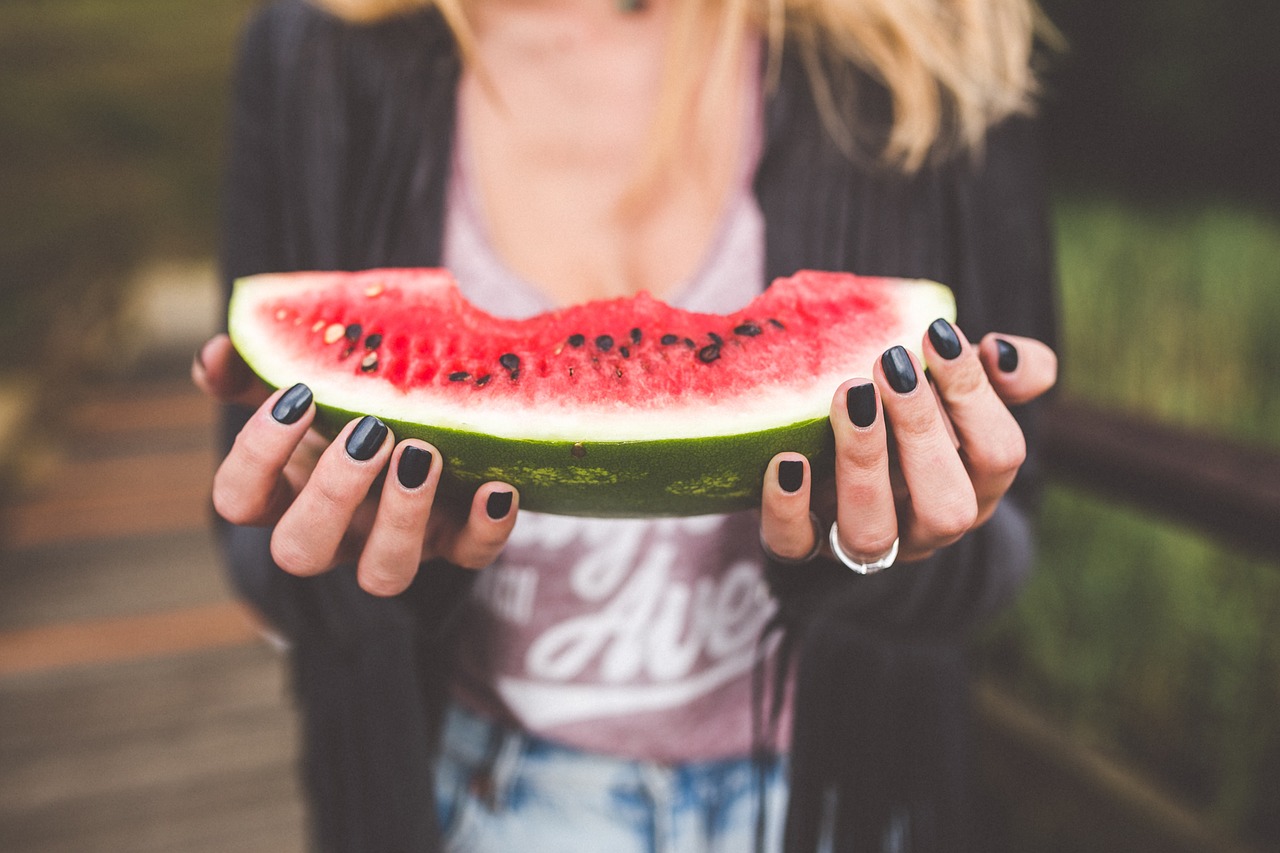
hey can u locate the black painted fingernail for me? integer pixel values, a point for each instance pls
(498, 505)
(1006, 356)
(899, 370)
(292, 404)
(366, 438)
(860, 400)
(414, 466)
(790, 475)
(944, 339)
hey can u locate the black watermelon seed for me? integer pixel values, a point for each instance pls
(605, 343)
(715, 339)
(624, 352)
(668, 340)
(749, 330)
(459, 376)
(776, 323)
(689, 343)
(483, 380)
(373, 341)
(509, 360)
(709, 353)
(515, 374)
(636, 335)
(577, 340)
(353, 332)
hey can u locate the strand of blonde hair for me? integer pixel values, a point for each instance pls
(952, 68)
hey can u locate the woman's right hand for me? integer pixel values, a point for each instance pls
(320, 496)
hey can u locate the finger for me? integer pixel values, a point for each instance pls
(490, 519)
(1020, 369)
(865, 511)
(991, 443)
(393, 551)
(308, 535)
(942, 504)
(249, 486)
(786, 529)
(219, 371)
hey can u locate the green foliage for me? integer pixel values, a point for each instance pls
(1172, 313)
(1145, 638)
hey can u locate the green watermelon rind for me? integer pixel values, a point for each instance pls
(618, 479)
(630, 477)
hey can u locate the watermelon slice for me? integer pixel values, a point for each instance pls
(626, 407)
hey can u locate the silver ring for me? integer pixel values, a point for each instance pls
(795, 561)
(861, 568)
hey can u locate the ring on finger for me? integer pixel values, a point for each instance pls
(795, 561)
(861, 568)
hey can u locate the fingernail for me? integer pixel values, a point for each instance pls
(366, 438)
(898, 369)
(1006, 356)
(292, 404)
(498, 505)
(790, 475)
(944, 339)
(414, 466)
(860, 400)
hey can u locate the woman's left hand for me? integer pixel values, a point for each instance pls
(920, 462)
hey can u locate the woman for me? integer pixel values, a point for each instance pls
(552, 151)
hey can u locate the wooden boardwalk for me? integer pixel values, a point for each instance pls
(140, 709)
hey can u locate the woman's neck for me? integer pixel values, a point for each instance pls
(557, 118)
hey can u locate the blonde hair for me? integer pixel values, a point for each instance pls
(952, 68)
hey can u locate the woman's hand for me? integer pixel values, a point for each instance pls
(319, 494)
(920, 462)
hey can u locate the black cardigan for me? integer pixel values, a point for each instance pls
(339, 153)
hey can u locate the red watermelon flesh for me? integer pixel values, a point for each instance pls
(634, 375)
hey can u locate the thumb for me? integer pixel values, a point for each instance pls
(220, 372)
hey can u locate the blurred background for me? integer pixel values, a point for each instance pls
(1128, 702)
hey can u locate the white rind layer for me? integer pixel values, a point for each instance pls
(762, 407)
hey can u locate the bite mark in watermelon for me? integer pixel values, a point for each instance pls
(624, 407)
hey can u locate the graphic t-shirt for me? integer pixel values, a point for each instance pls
(626, 637)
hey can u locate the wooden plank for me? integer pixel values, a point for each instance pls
(179, 746)
(249, 812)
(1229, 491)
(1082, 798)
(193, 752)
(93, 579)
(58, 709)
(128, 409)
(108, 498)
(100, 641)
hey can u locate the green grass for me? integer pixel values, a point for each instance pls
(1145, 638)
(1173, 313)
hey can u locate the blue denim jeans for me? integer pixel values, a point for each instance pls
(503, 791)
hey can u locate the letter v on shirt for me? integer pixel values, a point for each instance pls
(590, 619)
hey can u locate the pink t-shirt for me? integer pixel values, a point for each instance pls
(634, 638)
